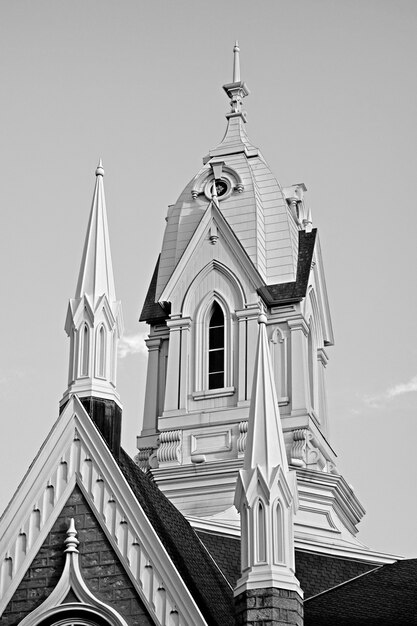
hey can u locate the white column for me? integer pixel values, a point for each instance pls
(252, 339)
(323, 359)
(242, 355)
(299, 366)
(177, 369)
(185, 363)
(152, 381)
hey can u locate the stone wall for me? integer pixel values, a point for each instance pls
(269, 607)
(100, 567)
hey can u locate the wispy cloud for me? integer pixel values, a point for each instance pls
(132, 344)
(377, 401)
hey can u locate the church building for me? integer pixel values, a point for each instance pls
(234, 511)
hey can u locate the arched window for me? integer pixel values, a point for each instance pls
(101, 353)
(85, 350)
(279, 533)
(261, 533)
(216, 348)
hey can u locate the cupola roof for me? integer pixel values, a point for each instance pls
(252, 201)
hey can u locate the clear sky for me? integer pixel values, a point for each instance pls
(333, 104)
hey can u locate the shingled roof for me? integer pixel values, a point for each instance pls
(294, 291)
(205, 581)
(386, 595)
(316, 572)
(153, 312)
(273, 295)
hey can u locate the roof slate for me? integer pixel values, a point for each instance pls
(294, 291)
(205, 581)
(273, 295)
(153, 312)
(386, 595)
(316, 572)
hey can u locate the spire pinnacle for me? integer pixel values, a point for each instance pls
(236, 63)
(100, 170)
(265, 445)
(96, 271)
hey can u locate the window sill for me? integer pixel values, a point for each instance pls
(213, 393)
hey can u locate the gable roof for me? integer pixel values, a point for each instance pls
(386, 595)
(153, 312)
(131, 510)
(209, 587)
(316, 572)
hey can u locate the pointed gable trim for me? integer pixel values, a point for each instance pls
(75, 441)
(212, 214)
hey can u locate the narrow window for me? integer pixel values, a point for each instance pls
(279, 534)
(101, 353)
(216, 348)
(261, 535)
(85, 351)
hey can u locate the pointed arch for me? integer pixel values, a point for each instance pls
(213, 346)
(84, 338)
(223, 279)
(278, 521)
(261, 537)
(101, 349)
(216, 347)
(279, 357)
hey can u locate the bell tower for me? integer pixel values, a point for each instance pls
(238, 245)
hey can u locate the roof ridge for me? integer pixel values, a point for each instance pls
(346, 582)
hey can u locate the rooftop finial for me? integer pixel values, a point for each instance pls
(236, 63)
(100, 170)
(236, 90)
(71, 542)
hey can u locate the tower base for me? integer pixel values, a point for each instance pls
(271, 606)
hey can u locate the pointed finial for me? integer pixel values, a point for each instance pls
(71, 541)
(236, 90)
(236, 63)
(100, 170)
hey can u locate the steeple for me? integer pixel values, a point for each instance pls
(266, 498)
(265, 446)
(96, 270)
(94, 323)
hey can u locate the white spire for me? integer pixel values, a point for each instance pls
(265, 491)
(265, 444)
(96, 271)
(94, 320)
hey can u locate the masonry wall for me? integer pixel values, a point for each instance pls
(100, 567)
(269, 607)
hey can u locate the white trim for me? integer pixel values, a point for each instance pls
(231, 241)
(91, 465)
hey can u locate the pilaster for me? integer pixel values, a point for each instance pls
(299, 371)
(177, 375)
(152, 383)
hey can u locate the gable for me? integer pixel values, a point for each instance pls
(75, 454)
(213, 242)
(100, 566)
